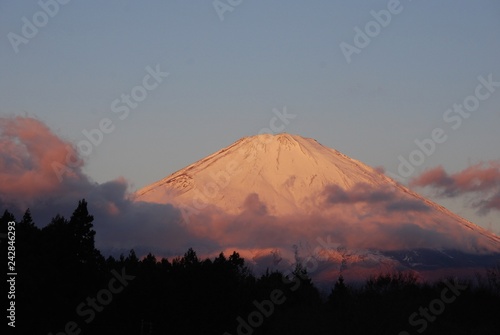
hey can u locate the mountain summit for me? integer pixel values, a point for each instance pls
(269, 192)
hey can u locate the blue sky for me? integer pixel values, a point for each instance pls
(226, 77)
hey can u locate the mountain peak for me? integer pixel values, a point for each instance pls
(282, 139)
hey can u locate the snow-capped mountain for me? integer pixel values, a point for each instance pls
(284, 170)
(309, 191)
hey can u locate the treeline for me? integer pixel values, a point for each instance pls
(65, 286)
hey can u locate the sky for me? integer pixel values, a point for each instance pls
(368, 78)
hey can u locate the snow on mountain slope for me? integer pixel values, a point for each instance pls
(284, 170)
(287, 176)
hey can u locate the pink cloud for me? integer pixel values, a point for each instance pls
(480, 180)
(41, 171)
(366, 217)
(28, 153)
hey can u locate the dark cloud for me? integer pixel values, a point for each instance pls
(407, 205)
(372, 195)
(254, 205)
(360, 192)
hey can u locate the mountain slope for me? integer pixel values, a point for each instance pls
(283, 169)
(269, 192)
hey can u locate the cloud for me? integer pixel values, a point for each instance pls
(40, 171)
(374, 196)
(482, 181)
(28, 151)
(366, 217)
(253, 204)
(363, 218)
(407, 205)
(360, 192)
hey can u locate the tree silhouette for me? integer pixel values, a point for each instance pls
(82, 235)
(7, 217)
(339, 295)
(59, 268)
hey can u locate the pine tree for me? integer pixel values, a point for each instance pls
(82, 233)
(4, 220)
(28, 232)
(27, 220)
(7, 217)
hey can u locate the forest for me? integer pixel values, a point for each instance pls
(64, 285)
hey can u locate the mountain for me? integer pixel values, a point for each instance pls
(295, 187)
(284, 170)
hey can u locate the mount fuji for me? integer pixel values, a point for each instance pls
(279, 198)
